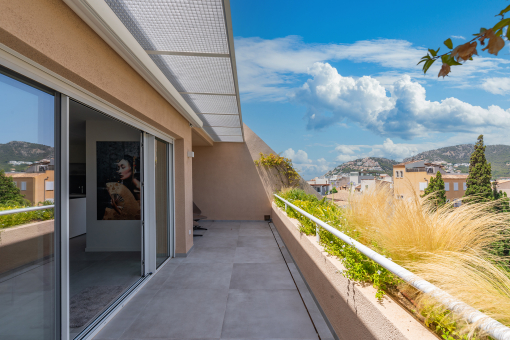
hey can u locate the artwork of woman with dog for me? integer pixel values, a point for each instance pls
(118, 179)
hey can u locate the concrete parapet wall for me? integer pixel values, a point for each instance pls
(352, 309)
(25, 244)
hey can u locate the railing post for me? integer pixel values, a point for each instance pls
(317, 236)
(285, 207)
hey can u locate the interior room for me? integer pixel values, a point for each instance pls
(105, 256)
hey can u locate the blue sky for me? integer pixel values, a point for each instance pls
(330, 81)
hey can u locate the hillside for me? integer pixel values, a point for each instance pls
(369, 164)
(497, 155)
(22, 151)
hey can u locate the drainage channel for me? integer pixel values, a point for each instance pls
(281, 246)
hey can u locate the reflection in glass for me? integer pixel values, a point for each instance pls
(27, 266)
(162, 235)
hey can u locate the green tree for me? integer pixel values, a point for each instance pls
(479, 187)
(436, 189)
(504, 202)
(334, 191)
(9, 193)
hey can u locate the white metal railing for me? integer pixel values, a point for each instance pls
(22, 210)
(494, 328)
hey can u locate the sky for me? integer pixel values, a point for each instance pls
(331, 81)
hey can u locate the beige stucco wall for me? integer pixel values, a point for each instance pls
(52, 35)
(183, 196)
(352, 309)
(455, 194)
(411, 183)
(226, 185)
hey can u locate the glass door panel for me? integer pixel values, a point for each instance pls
(162, 202)
(27, 240)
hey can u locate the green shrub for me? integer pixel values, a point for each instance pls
(358, 266)
(11, 220)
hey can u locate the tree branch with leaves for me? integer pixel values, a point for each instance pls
(462, 53)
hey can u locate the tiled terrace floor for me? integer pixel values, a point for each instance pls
(237, 283)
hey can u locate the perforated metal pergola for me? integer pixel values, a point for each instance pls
(191, 42)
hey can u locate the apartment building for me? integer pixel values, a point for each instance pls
(414, 176)
(37, 182)
(322, 185)
(36, 187)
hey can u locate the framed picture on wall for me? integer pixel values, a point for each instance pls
(118, 180)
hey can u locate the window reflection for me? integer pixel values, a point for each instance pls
(27, 175)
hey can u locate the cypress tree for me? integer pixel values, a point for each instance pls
(9, 193)
(440, 192)
(479, 178)
(431, 188)
(436, 188)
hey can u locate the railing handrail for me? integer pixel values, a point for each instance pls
(22, 210)
(493, 327)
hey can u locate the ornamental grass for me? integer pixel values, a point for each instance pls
(447, 246)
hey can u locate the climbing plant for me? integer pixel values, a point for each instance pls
(282, 165)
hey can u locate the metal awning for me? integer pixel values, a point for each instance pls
(191, 42)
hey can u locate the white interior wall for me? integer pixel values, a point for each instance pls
(107, 235)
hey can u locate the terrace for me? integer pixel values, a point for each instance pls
(239, 282)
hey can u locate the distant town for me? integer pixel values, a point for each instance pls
(367, 173)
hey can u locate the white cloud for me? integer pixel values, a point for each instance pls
(297, 157)
(497, 85)
(405, 113)
(306, 167)
(268, 69)
(388, 149)
(458, 37)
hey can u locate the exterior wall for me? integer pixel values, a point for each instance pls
(183, 197)
(29, 194)
(53, 36)
(452, 194)
(405, 186)
(352, 309)
(36, 191)
(505, 187)
(226, 185)
(367, 184)
(409, 184)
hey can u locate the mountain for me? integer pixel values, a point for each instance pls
(497, 155)
(368, 164)
(22, 151)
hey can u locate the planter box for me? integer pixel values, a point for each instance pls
(25, 244)
(351, 308)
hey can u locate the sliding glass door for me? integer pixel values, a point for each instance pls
(97, 203)
(28, 268)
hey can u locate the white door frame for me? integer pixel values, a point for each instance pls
(149, 203)
(64, 216)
